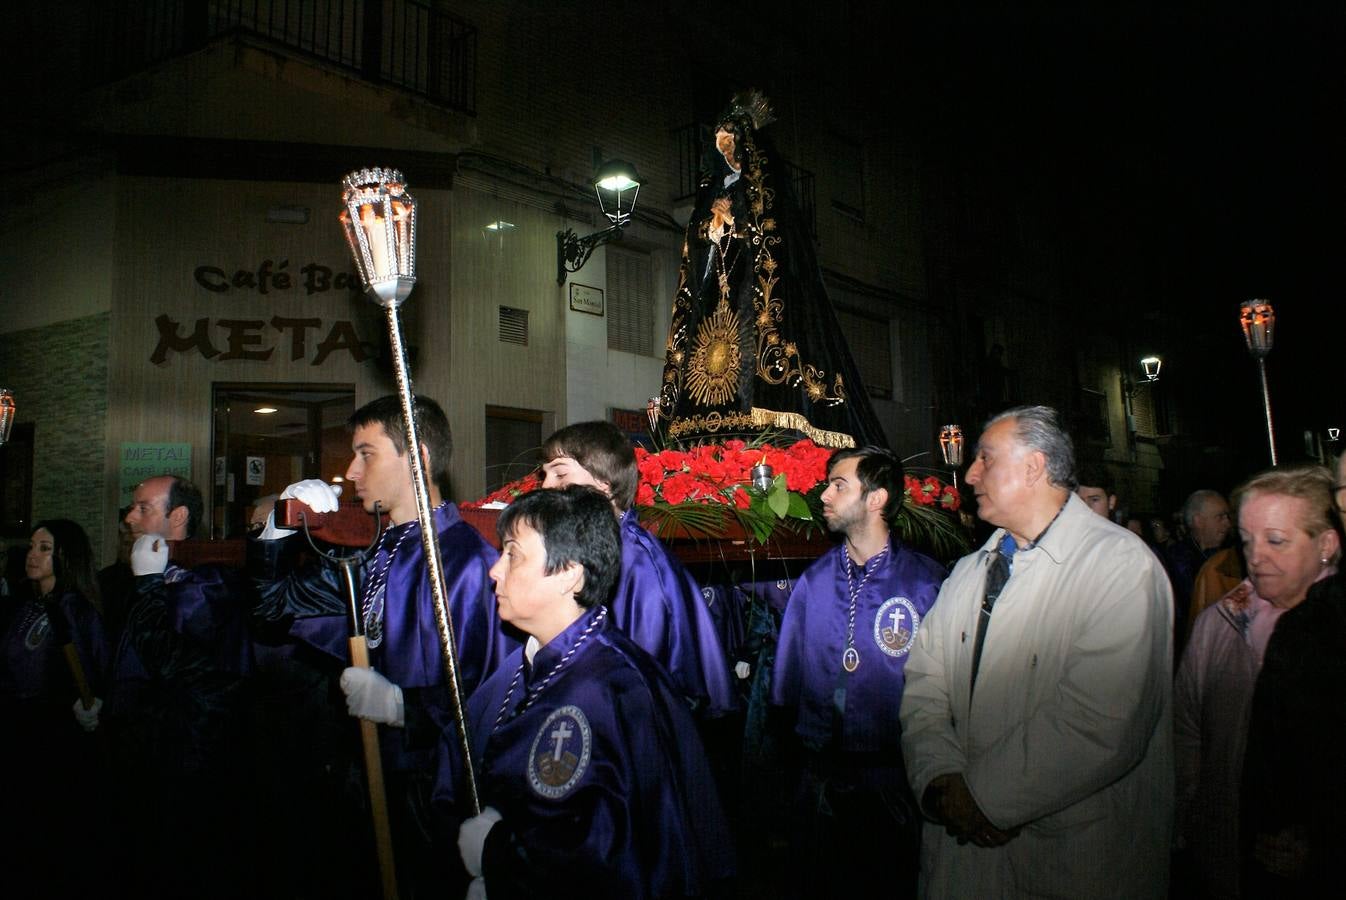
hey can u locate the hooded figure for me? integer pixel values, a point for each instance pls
(754, 344)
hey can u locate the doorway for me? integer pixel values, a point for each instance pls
(268, 436)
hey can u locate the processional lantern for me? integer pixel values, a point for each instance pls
(8, 410)
(951, 447)
(1258, 320)
(379, 219)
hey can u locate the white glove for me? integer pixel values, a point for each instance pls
(472, 838)
(314, 493)
(371, 696)
(476, 889)
(149, 555)
(88, 718)
(742, 669)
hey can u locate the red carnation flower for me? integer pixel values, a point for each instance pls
(651, 470)
(673, 460)
(678, 487)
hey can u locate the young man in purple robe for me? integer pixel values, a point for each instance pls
(850, 621)
(592, 778)
(406, 689)
(657, 602)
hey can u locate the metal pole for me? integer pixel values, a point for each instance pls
(1266, 403)
(430, 544)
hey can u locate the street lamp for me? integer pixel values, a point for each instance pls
(1151, 365)
(1258, 320)
(617, 186)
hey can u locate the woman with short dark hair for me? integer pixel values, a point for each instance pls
(589, 769)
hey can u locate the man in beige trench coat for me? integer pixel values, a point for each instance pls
(1037, 716)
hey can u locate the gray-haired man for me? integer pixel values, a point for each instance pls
(1037, 712)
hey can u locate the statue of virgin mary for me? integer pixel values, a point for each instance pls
(754, 345)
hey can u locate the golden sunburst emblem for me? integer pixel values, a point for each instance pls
(712, 377)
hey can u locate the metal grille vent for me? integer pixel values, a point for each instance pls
(513, 325)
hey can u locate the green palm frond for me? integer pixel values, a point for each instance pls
(685, 520)
(932, 531)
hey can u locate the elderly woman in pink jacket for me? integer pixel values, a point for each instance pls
(1289, 543)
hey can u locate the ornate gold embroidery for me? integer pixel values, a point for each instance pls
(707, 364)
(712, 422)
(769, 418)
(712, 378)
(778, 360)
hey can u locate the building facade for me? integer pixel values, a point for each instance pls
(173, 258)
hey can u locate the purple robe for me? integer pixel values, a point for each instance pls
(660, 607)
(408, 653)
(179, 665)
(52, 767)
(207, 606)
(602, 782)
(902, 586)
(32, 664)
(186, 618)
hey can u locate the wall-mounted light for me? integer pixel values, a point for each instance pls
(265, 410)
(617, 187)
(494, 234)
(1151, 365)
(617, 181)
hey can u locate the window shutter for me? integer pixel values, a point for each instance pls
(630, 302)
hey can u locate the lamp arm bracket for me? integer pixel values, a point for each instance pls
(573, 251)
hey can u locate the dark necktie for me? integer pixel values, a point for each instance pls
(997, 573)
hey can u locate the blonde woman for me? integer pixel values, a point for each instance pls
(1289, 544)
(1294, 786)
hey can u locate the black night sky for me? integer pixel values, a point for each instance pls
(1193, 152)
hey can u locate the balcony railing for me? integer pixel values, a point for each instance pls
(690, 142)
(407, 43)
